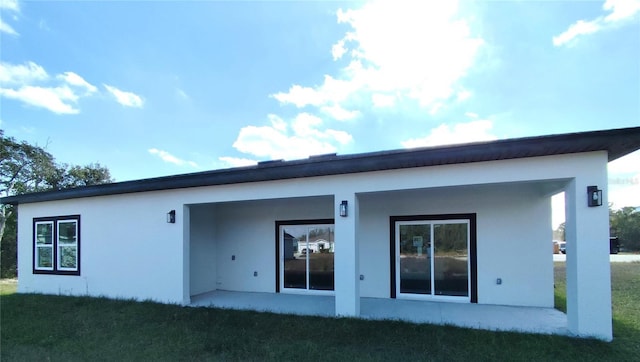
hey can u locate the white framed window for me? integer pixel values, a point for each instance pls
(43, 259)
(67, 245)
(56, 245)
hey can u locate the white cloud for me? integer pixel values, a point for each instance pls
(341, 137)
(167, 157)
(127, 99)
(621, 9)
(620, 12)
(383, 100)
(237, 162)
(303, 138)
(305, 124)
(6, 28)
(300, 96)
(54, 99)
(435, 108)
(338, 50)
(338, 113)
(581, 27)
(277, 123)
(471, 115)
(73, 79)
(20, 74)
(473, 131)
(463, 95)
(31, 84)
(396, 50)
(11, 5)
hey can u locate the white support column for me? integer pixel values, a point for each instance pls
(346, 257)
(588, 265)
(186, 255)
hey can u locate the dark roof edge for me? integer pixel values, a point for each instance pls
(617, 142)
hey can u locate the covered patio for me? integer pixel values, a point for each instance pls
(478, 316)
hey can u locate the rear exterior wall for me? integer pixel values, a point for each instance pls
(128, 249)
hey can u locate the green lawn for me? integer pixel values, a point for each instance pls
(38, 327)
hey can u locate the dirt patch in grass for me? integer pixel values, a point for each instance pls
(8, 286)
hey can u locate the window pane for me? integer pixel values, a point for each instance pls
(67, 232)
(68, 257)
(295, 256)
(44, 257)
(321, 248)
(44, 233)
(451, 258)
(415, 261)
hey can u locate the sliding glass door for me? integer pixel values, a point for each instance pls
(306, 262)
(432, 259)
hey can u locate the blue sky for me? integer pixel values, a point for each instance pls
(158, 88)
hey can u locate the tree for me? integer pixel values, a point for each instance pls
(25, 168)
(559, 233)
(8, 248)
(625, 224)
(66, 176)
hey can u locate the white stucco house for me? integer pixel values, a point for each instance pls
(458, 225)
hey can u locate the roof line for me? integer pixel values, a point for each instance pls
(617, 142)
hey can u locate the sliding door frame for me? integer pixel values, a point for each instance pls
(279, 257)
(473, 255)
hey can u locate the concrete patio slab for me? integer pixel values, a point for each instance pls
(268, 302)
(477, 316)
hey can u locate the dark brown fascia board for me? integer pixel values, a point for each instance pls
(617, 142)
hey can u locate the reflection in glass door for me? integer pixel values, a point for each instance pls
(320, 257)
(307, 257)
(432, 258)
(295, 267)
(451, 260)
(415, 260)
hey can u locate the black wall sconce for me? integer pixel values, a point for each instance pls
(344, 208)
(594, 196)
(171, 217)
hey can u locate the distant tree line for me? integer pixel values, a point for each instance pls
(623, 224)
(26, 168)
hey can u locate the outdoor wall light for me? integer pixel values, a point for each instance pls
(343, 208)
(171, 217)
(594, 196)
